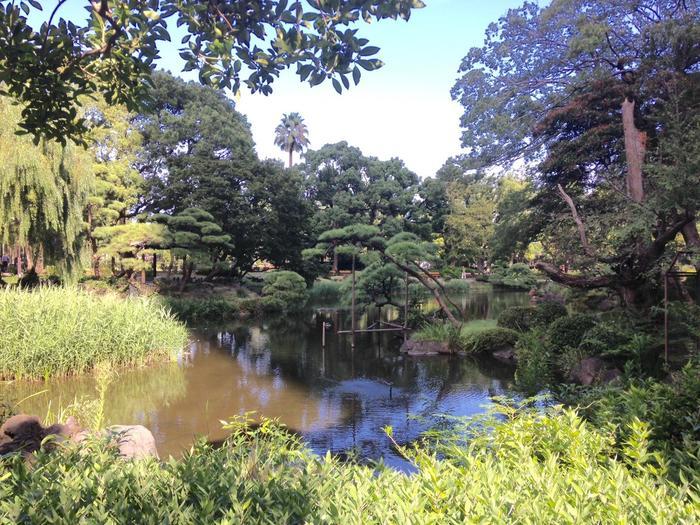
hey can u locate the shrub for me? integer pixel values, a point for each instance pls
(517, 318)
(457, 286)
(568, 332)
(546, 312)
(489, 340)
(520, 467)
(443, 332)
(57, 331)
(518, 275)
(604, 338)
(535, 362)
(209, 309)
(326, 290)
(671, 409)
(284, 290)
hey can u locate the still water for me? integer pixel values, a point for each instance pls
(339, 398)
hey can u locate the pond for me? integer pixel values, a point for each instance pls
(339, 398)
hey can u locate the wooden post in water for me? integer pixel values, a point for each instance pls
(354, 326)
(405, 312)
(666, 317)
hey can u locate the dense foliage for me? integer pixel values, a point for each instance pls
(49, 66)
(530, 467)
(59, 331)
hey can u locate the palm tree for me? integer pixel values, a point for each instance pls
(292, 134)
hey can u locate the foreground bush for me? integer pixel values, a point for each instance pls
(530, 468)
(58, 331)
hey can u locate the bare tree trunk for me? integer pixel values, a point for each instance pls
(154, 262)
(290, 157)
(635, 151)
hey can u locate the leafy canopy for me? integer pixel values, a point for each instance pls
(231, 43)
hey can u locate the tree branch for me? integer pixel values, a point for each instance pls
(579, 223)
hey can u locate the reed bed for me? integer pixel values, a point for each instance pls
(61, 331)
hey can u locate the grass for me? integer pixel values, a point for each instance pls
(516, 467)
(476, 336)
(326, 290)
(61, 331)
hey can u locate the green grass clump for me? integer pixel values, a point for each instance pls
(326, 290)
(517, 467)
(59, 331)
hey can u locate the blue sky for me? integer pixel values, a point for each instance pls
(402, 110)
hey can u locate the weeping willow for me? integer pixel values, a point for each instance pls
(43, 192)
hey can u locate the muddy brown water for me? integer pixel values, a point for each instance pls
(339, 398)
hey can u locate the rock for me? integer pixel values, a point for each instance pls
(505, 355)
(421, 348)
(593, 370)
(24, 433)
(134, 441)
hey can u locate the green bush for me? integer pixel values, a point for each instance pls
(284, 290)
(535, 362)
(489, 340)
(526, 467)
(517, 318)
(211, 309)
(604, 338)
(518, 275)
(568, 332)
(58, 331)
(457, 286)
(326, 290)
(671, 408)
(546, 312)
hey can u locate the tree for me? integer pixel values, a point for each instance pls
(193, 235)
(578, 88)
(129, 243)
(349, 188)
(43, 193)
(50, 68)
(406, 251)
(469, 227)
(198, 152)
(291, 134)
(114, 145)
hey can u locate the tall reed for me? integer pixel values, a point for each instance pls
(60, 331)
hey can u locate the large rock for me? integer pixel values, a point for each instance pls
(421, 348)
(134, 441)
(593, 370)
(25, 433)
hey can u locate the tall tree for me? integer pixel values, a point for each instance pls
(43, 193)
(114, 144)
(49, 66)
(291, 134)
(578, 89)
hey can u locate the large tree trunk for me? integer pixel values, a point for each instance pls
(291, 152)
(635, 151)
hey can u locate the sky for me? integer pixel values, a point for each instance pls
(402, 110)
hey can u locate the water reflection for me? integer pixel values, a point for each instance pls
(340, 398)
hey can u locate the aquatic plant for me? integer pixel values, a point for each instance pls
(517, 466)
(60, 331)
